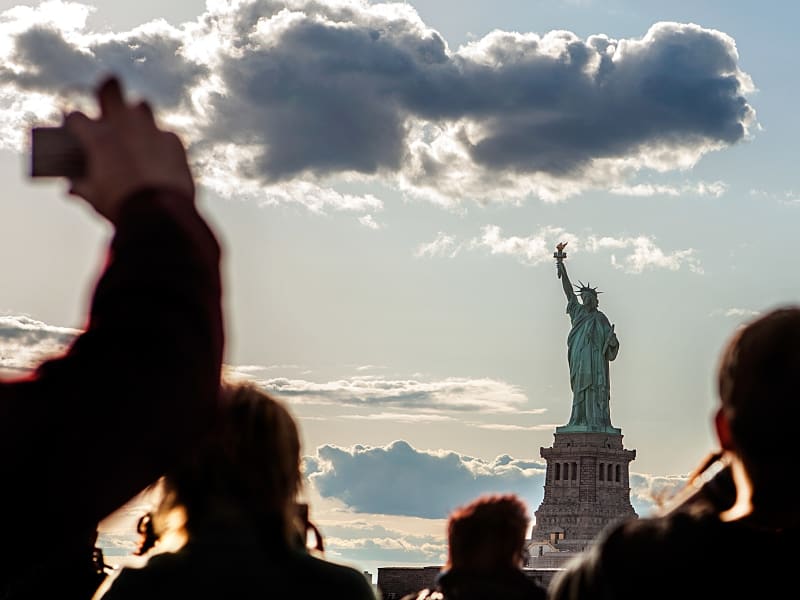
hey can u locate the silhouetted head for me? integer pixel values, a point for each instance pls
(488, 534)
(249, 467)
(758, 380)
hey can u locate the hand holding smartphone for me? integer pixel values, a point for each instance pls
(109, 157)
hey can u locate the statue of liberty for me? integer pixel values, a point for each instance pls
(591, 344)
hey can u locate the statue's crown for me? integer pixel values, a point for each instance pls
(582, 289)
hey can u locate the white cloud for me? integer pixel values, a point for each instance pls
(651, 492)
(378, 479)
(787, 197)
(538, 248)
(450, 394)
(246, 370)
(215, 171)
(369, 222)
(26, 342)
(511, 427)
(714, 189)
(532, 250)
(738, 313)
(356, 541)
(402, 417)
(362, 368)
(443, 246)
(646, 255)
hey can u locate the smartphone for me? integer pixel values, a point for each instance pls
(55, 152)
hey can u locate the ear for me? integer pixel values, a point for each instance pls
(723, 429)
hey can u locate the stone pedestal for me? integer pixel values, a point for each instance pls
(586, 488)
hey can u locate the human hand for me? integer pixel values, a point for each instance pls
(125, 151)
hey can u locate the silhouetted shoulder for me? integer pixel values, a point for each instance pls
(698, 547)
(332, 580)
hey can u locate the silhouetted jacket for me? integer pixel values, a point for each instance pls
(687, 553)
(226, 559)
(460, 585)
(144, 374)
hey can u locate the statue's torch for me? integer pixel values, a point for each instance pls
(559, 255)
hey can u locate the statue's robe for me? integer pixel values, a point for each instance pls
(591, 344)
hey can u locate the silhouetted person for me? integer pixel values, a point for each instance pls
(486, 541)
(245, 535)
(734, 536)
(153, 345)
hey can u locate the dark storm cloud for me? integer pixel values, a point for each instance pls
(335, 91)
(150, 64)
(323, 97)
(298, 90)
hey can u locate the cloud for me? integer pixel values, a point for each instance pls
(274, 93)
(450, 394)
(530, 250)
(362, 368)
(650, 492)
(738, 313)
(48, 59)
(149, 59)
(215, 168)
(786, 197)
(646, 255)
(244, 370)
(369, 222)
(538, 248)
(372, 90)
(402, 417)
(399, 479)
(702, 188)
(26, 342)
(360, 541)
(510, 427)
(444, 245)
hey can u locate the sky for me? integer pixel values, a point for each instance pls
(389, 181)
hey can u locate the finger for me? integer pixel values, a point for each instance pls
(145, 111)
(145, 108)
(79, 125)
(109, 95)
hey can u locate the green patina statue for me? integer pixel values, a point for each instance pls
(591, 344)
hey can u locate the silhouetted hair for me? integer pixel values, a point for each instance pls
(488, 534)
(759, 378)
(249, 467)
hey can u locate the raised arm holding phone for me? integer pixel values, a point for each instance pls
(146, 367)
